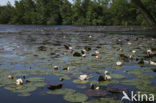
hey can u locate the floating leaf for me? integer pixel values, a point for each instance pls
(96, 93)
(21, 89)
(136, 82)
(115, 90)
(117, 76)
(135, 72)
(81, 86)
(145, 76)
(75, 97)
(24, 94)
(78, 81)
(40, 72)
(36, 79)
(105, 83)
(146, 88)
(61, 91)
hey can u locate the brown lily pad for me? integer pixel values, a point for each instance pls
(96, 93)
(55, 86)
(115, 90)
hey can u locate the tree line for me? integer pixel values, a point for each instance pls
(80, 12)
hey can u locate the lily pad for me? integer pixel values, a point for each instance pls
(21, 89)
(96, 93)
(145, 76)
(117, 76)
(36, 79)
(78, 81)
(105, 83)
(115, 90)
(34, 83)
(75, 97)
(40, 72)
(81, 86)
(61, 91)
(135, 72)
(147, 88)
(24, 94)
(136, 82)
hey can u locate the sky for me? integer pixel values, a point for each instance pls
(4, 2)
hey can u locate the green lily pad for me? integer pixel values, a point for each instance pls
(117, 76)
(4, 69)
(105, 83)
(147, 88)
(4, 79)
(145, 76)
(81, 86)
(40, 72)
(78, 81)
(34, 83)
(24, 94)
(21, 89)
(136, 82)
(135, 72)
(36, 79)
(47, 66)
(75, 97)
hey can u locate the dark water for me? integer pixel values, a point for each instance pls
(19, 51)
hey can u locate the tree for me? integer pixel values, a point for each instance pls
(6, 13)
(149, 18)
(123, 13)
(66, 12)
(81, 12)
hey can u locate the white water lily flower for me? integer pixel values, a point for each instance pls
(96, 52)
(70, 48)
(83, 50)
(83, 55)
(106, 72)
(56, 67)
(119, 40)
(97, 88)
(131, 56)
(19, 81)
(90, 36)
(121, 49)
(97, 57)
(133, 51)
(149, 51)
(10, 77)
(83, 77)
(68, 68)
(108, 77)
(152, 63)
(118, 63)
(129, 43)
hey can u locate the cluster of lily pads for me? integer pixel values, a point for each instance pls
(86, 58)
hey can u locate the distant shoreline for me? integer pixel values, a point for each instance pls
(82, 27)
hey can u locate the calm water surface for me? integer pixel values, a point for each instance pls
(32, 51)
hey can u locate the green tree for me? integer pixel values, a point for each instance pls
(6, 13)
(123, 13)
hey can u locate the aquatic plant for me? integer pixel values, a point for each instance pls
(78, 81)
(61, 91)
(75, 97)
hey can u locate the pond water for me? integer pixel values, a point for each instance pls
(31, 52)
